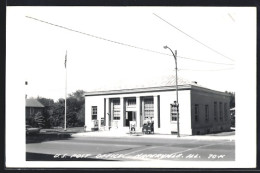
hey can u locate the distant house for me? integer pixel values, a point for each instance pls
(33, 106)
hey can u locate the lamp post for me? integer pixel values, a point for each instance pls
(176, 77)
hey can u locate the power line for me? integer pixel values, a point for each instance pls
(204, 61)
(120, 43)
(193, 38)
(206, 70)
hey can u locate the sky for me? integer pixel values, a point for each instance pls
(36, 50)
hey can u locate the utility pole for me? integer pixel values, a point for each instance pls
(176, 77)
(65, 121)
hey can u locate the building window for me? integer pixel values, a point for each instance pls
(220, 111)
(206, 112)
(215, 111)
(148, 109)
(173, 112)
(116, 115)
(196, 112)
(225, 112)
(131, 102)
(94, 112)
(116, 109)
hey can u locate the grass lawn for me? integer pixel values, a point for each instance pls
(53, 134)
(61, 130)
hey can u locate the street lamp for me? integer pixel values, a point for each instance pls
(176, 77)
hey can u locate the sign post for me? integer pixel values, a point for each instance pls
(174, 115)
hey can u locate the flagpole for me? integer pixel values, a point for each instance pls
(65, 121)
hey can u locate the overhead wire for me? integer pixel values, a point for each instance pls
(120, 43)
(193, 38)
(204, 61)
(181, 69)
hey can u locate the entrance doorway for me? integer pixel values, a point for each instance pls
(130, 116)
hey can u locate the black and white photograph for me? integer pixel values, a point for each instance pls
(130, 87)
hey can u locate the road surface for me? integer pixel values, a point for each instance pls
(130, 149)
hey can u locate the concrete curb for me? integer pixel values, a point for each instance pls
(110, 134)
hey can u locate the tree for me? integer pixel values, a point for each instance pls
(79, 95)
(76, 108)
(72, 119)
(81, 116)
(47, 111)
(39, 119)
(53, 113)
(232, 102)
(57, 118)
(45, 101)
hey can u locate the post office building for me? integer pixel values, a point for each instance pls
(201, 110)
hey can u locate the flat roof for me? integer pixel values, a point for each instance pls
(158, 84)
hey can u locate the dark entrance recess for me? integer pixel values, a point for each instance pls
(130, 117)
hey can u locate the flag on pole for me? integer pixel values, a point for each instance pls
(65, 63)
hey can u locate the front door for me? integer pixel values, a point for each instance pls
(130, 116)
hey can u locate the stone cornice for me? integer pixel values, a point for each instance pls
(138, 90)
(154, 89)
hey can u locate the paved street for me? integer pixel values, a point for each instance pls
(131, 148)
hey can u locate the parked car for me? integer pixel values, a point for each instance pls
(32, 130)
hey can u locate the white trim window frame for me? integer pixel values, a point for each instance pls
(148, 109)
(116, 110)
(94, 112)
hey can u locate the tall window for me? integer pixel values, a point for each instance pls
(173, 113)
(148, 109)
(215, 111)
(131, 102)
(220, 111)
(94, 112)
(225, 112)
(116, 109)
(196, 112)
(206, 112)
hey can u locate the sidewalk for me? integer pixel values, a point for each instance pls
(117, 133)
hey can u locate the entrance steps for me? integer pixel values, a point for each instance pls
(124, 130)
